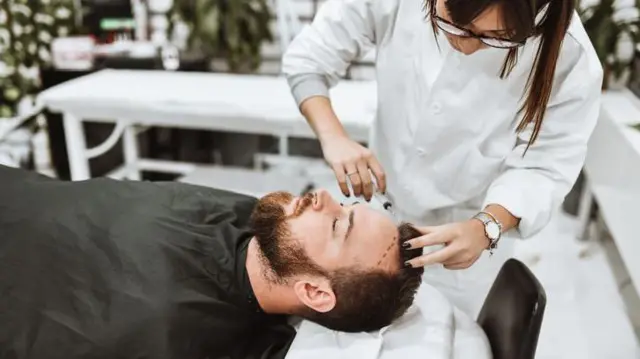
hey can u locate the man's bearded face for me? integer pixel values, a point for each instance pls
(356, 248)
(282, 253)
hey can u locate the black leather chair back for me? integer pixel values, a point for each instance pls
(512, 313)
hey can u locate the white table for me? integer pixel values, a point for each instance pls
(217, 102)
(247, 181)
(612, 171)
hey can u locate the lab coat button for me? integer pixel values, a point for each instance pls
(436, 108)
(421, 151)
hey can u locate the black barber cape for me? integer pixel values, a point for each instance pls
(122, 270)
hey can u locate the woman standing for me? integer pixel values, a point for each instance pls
(484, 111)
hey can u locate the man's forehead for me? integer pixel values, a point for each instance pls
(389, 251)
(388, 257)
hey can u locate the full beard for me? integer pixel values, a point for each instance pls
(281, 253)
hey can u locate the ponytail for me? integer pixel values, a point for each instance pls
(552, 30)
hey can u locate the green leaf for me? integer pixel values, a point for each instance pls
(11, 93)
(5, 111)
(235, 29)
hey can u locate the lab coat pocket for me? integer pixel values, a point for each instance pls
(476, 173)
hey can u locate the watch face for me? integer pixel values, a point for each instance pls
(493, 230)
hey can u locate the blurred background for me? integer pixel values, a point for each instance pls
(191, 91)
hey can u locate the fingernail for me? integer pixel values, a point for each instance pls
(407, 265)
(406, 245)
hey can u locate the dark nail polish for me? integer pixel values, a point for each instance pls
(406, 245)
(408, 265)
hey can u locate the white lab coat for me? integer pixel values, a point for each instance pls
(445, 126)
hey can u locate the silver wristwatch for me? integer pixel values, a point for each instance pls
(492, 229)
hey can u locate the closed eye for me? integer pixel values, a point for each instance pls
(506, 35)
(335, 221)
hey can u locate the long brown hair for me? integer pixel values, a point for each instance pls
(520, 17)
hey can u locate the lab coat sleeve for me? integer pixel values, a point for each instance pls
(341, 32)
(533, 187)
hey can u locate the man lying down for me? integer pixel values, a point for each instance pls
(112, 269)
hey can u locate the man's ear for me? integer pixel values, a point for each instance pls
(315, 293)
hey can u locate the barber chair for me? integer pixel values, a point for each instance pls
(512, 313)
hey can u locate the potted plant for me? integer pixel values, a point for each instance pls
(26, 32)
(234, 30)
(614, 29)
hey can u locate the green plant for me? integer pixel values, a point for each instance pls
(27, 29)
(230, 29)
(611, 24)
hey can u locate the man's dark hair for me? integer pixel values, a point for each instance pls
(368, 300)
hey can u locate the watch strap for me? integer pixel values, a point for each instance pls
(486, 218)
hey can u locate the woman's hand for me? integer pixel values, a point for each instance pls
(351, 160)
(463, 243)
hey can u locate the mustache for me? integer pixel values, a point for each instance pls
(282, 198)
(305, 201)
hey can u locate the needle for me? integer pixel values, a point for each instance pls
(386, 204)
